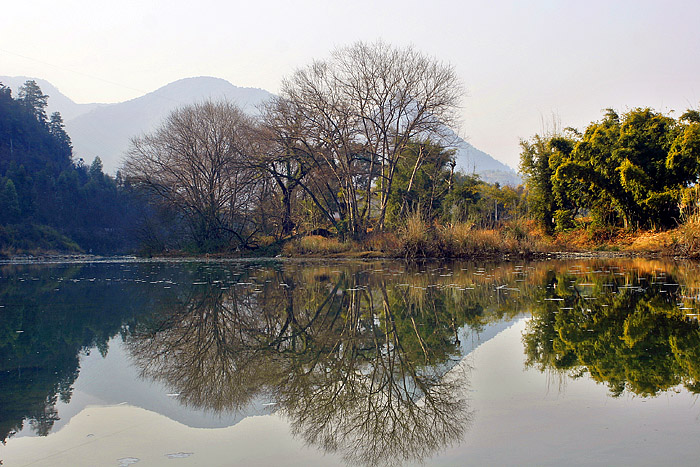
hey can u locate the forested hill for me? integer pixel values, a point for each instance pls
(47, 201)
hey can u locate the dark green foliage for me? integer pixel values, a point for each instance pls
(9, 202)
(626, 170)
(422, 180)
(632, 337)
(46, 200)
(23, 237)
(534, 165)
(31, 97)
(425, 184)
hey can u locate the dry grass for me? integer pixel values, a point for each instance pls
(382, 242)
(316, 245)
(416, 238)
(619, 239)
(685, 240)
(419, 239)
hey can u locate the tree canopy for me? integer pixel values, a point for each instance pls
(627, 170)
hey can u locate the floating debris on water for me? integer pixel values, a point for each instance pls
(127, 461)
(179, 455)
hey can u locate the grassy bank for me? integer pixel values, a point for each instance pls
(519, 238)
(418, 239)
(34, 239)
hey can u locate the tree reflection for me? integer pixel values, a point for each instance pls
(357, 366)
(624, 329)
(51, 316)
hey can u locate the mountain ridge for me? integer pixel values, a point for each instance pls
(58, 102)
(105, 130)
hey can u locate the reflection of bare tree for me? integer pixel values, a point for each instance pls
(376, 407)
(331, 351)
(203, 352)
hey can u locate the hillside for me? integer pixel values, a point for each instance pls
(106, 131)
(58, 102)
(472, 160)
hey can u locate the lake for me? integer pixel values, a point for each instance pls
(265, 362)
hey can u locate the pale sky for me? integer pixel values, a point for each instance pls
(520, 62)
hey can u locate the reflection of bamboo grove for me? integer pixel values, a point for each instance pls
(633, 329)
(359, 367)
(360, 357)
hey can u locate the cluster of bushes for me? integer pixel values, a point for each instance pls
(630, 171)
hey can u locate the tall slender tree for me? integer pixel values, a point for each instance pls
(30, 95)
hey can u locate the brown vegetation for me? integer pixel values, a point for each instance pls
(517, 238)
(419, 239)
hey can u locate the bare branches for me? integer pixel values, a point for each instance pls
(362, 108)
(329, 146)
(197, 164)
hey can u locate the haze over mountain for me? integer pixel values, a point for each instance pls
(471, 160)
(57, 101)
(105, 130)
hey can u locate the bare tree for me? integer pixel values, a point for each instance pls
(196, 163)
(362, 108)
(282, 153)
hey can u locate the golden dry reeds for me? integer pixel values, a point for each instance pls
(316, 245)
(463, 240)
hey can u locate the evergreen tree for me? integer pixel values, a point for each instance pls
(9, 203)
(96, 173)
(33, 98)
(57, 129)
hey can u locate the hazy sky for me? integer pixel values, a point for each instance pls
(520, 61)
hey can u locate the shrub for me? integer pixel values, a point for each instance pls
(416, 238)
(687, 240)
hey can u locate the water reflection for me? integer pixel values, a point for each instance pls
(363, 359)
(359, 365)
(50, 317)
(40, 343)
(633, 329)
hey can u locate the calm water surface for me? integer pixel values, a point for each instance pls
(349, 363)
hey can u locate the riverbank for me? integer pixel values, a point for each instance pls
(520, 239)
(514, 240)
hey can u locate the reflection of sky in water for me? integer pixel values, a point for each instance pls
(113, 380)
(520, 416)
(524, 417)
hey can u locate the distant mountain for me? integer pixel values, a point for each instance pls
(57, 101)
(501, 177)
(472, 160)
(107, 130)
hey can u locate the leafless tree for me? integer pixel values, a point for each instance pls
(283, 153)
(361, 109)
(197, 164)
